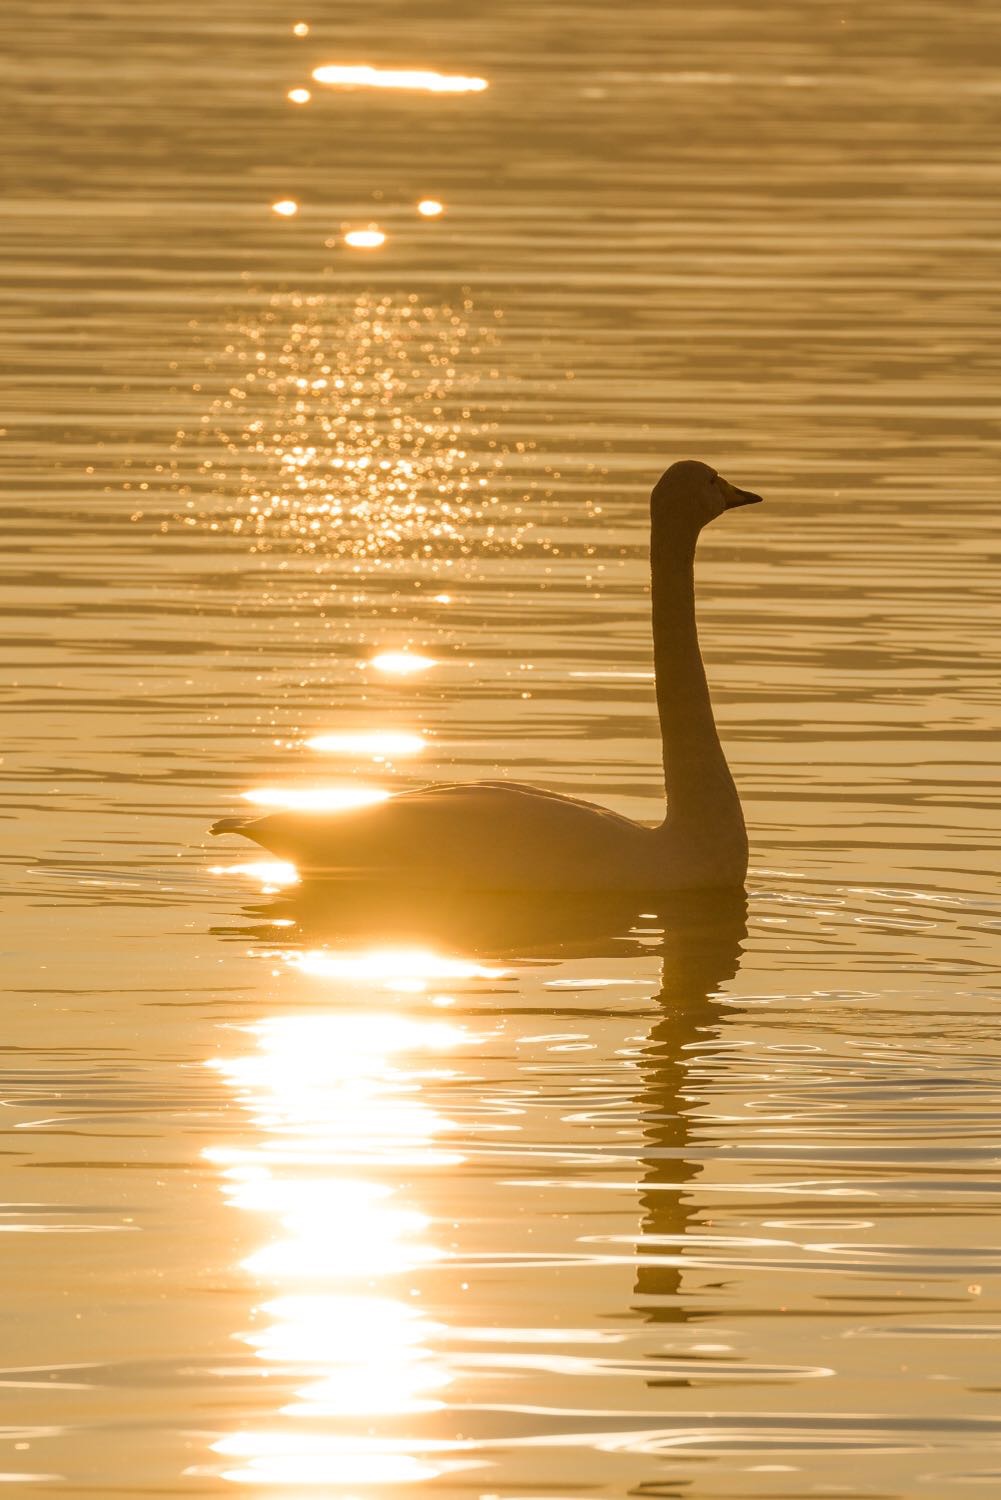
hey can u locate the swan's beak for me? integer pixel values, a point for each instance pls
(732, 497)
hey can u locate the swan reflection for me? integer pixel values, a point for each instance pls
(355, 915)
(700, 956)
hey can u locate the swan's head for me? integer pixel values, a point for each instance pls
(694, 494)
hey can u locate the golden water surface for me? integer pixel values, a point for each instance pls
(342, 347)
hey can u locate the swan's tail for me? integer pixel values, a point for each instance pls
(229, 825)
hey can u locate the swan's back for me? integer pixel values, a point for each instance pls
(470, 835)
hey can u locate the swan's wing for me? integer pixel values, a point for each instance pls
(487, 834)
(517, 788)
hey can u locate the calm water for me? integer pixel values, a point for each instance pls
(499, 1203)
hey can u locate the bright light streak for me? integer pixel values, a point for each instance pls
(297, 1458)
(270, 872)
(315, 799)
(368, 1352)
(285, 207)
(411, 968)
(364, 239)
(401, 663)
(380, 743)
(425, 81)
(325, 1094)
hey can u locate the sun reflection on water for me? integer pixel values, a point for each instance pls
(365, 239)
(335, 1104)
(315, 798)
(401, 663)
(404, 970)
(271, 874)
(268, 1460)
(380, 744)
(347, 426)
(338, 75)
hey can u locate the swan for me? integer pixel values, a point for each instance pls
(501, 836)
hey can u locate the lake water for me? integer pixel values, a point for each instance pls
(499, 1203)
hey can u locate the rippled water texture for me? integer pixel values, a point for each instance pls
(315, 494)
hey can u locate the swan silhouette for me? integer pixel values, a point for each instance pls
(501, 836)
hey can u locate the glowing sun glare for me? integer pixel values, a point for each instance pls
(376, 742)
(364, 239)
(400, 663)
(314, 799)
(423, 80)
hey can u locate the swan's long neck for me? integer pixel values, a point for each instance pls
(702, 800)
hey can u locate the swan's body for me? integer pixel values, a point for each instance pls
(500, 836)
(493, 835)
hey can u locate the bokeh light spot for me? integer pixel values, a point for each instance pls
(365, 239)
